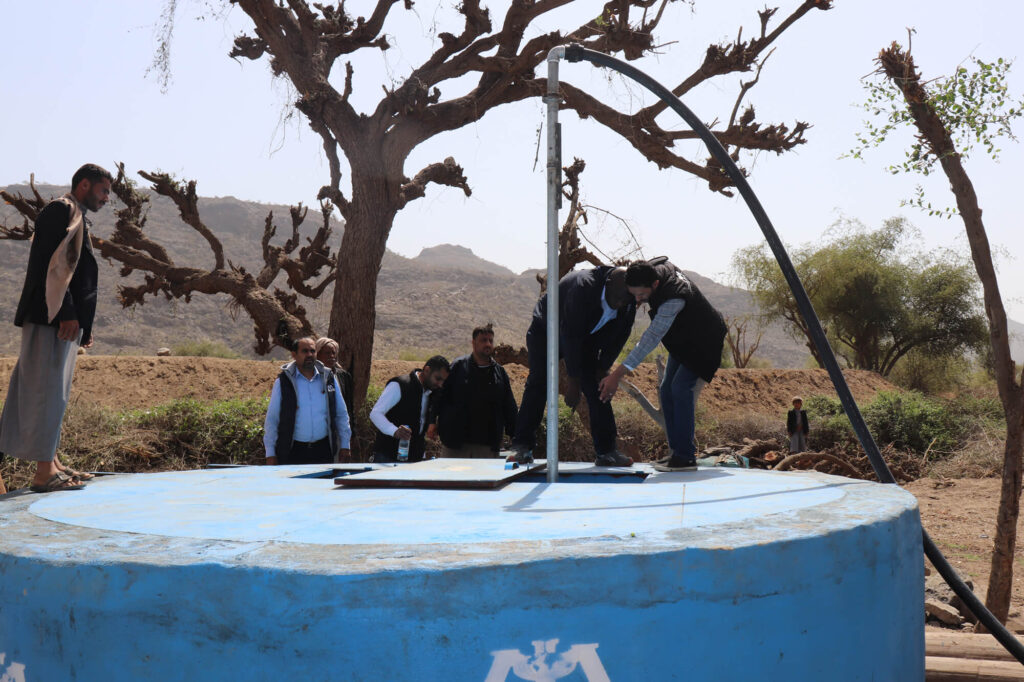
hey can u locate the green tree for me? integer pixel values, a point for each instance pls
(878, 297)
(950, 116)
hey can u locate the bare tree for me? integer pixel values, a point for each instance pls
(740, 346)
(305, 42)
(276, 314)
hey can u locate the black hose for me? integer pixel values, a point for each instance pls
(576, 53)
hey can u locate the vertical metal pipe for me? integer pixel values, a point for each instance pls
(554, 202)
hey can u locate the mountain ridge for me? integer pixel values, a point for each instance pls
(426, 304)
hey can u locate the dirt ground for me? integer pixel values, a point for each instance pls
(140, 382)
(959, 514)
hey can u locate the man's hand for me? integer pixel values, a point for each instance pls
(344, 455)
(403, 433)
(68, 330)
(572, 393)
(432, 431)
(272, 461)
(610, 384)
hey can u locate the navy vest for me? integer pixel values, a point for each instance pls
(406, 412)
(697, 336)
(289, 405)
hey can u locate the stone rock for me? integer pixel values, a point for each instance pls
(163, 352)
(958, 604)
(943, 612)
(936, 588)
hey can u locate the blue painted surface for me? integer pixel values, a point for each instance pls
(714, 575)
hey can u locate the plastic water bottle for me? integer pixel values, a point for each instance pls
(403, 448)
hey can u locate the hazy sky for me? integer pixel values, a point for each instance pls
(74, 89)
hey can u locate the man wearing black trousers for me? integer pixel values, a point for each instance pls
(595, 319)
(476, 407)
(404, 409)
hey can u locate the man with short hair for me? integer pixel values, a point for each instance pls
(404, 408)
(476, 407)
(55, 312)
(693, 333)
(307, 421)
(595, 318)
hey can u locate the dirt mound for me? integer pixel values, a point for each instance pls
(772, 390)
(140, 382)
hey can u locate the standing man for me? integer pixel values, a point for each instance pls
(55, 313)
(403, 410)
(307, 421)
(327, 354)
(476, 407)
(797, 426)
(693, 333)
(595, 319)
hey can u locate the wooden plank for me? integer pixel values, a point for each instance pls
(964, 645)
(943, 669)
(440, 473)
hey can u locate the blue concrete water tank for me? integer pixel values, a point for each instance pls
(256, 574)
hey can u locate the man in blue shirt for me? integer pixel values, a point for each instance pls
(307, 422)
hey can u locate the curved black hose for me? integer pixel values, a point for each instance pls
(576, 53)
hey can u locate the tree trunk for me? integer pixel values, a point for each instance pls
(900, 69)
(997, 599)
(368, 221)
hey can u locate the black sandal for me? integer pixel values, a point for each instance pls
(58, 482)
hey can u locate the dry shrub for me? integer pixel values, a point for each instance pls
(184, 434)
(641, 437)
(981, 457)
(92, 439)
(734, 428)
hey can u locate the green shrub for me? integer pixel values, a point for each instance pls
(222, 431)
(205, 349)
(822, 406)
(931, 374)
(911, 421)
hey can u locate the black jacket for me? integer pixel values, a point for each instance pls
(453, 409)
(697, 335)
(791, 422)
(407, 412)
(80, 298)
(579, 311)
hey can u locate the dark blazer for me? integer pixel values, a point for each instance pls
(453, 405)
(80, 298)
(791, 422)
(579, 309)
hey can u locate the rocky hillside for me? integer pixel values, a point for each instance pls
(425, 305)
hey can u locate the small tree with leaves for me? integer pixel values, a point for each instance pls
(878, 297)
(951, 117)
